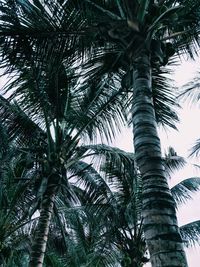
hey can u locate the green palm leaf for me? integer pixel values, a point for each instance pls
(172, 161)
(191, 233)
(181, 192)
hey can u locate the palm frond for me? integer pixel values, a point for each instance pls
(54, 260)
(191, 90)
(172, 161)
(18, 124)
(114, 62)
(95, 189)
(38, 24)
(164, 98)
(114, 155)
(191, 233)
(196, 148)
(183, 190)
(182, 27)
(101, 110)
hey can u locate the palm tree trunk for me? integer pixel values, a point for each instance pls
(159, 215)
(41, 236)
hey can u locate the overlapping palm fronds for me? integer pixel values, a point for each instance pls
(51, 109)
(16, 197)
(119, 208)
(110, 69)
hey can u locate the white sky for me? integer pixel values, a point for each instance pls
(181, 140)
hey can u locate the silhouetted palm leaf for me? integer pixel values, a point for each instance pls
(182, 191)
(191, 233)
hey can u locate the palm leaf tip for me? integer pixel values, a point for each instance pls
(190, 91)
(191, 233)
(172, 161)
(195, 150)
(183, 191)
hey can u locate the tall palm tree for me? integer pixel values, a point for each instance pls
(48, 111)
(146, 34)
(48, 114)
(51, 143)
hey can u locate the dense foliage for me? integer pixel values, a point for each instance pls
(76, 73)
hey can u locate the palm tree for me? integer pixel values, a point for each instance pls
(145, 34)
(47, 114)
(47, 117)
(49, 109)
(51, 147)
(100, 229)
(103, 230)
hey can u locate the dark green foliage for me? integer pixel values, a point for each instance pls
(70, 66)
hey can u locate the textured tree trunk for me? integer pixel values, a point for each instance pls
(159, 215)
(41, 236)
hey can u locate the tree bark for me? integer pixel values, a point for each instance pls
(41, 236)
(159, 214)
